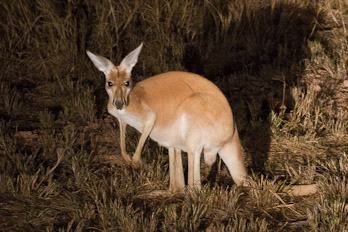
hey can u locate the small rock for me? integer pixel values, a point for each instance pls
(27, 138)
(317, 88)
(345, 83)
(27, 135)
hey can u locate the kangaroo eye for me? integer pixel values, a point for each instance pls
(126, 83)
(110, 84)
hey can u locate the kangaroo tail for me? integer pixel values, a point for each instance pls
(232, 155)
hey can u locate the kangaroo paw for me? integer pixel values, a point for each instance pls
(136, 164)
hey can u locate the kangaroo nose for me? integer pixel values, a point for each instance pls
(118, 104)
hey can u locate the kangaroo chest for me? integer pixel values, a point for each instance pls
(129, 119)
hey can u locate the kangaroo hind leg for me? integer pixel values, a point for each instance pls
(176, 172)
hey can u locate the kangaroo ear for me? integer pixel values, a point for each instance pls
(104, 65)
(131, 59)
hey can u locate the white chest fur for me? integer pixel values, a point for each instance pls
(170, 136)
(129, 119)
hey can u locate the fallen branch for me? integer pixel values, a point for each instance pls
(301, 190)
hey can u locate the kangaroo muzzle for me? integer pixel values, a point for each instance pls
(119, 103)
(120, 99)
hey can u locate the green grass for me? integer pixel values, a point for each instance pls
(60, 162)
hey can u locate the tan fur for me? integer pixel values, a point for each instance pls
(179, 110)
(171, 95)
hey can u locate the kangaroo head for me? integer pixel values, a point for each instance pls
(118, 83)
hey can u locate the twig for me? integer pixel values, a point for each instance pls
(115, 22)
(60, 155)
(283, 106)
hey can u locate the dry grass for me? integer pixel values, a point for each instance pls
(60, 163)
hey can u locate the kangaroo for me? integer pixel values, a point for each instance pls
(179, 110)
